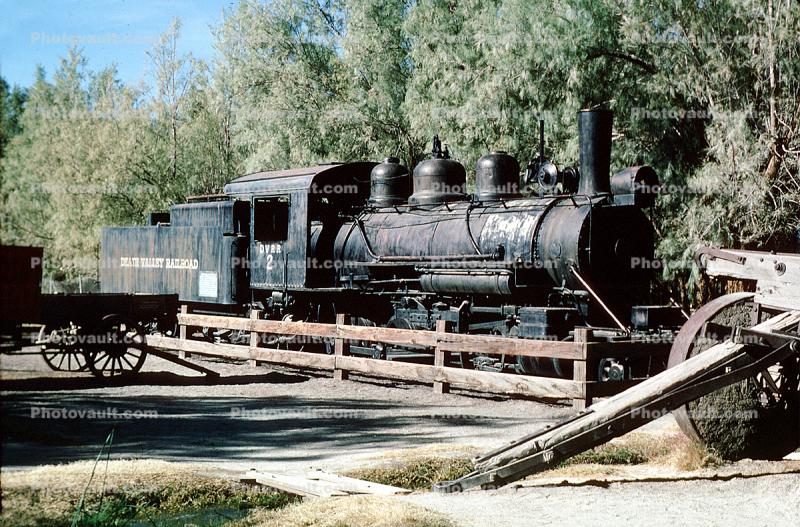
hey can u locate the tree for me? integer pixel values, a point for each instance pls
(12, 103)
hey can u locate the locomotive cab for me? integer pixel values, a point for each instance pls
(293, 216)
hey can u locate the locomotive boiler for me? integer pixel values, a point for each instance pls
(406, 249)
(498, 244)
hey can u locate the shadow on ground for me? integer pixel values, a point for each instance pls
(46, 420)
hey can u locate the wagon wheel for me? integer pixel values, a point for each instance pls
(63, 351)
(119, 348)
(757, 417)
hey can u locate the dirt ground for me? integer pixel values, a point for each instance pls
(287, 421)
(264, 418)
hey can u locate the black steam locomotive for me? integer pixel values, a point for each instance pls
(405, 250)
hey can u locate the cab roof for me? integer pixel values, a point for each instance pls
(329, 179)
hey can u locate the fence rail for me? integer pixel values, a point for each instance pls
(582, 351)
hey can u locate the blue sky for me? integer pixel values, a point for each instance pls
(108, 31)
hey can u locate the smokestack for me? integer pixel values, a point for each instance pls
(594, 137)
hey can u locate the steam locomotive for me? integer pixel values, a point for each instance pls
(405, 249)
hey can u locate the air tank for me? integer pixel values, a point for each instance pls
(496, 177)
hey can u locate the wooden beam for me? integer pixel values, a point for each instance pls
(580, 372)
(441, 357)
(490, 345)
(391, 369)
(255, 314)
(341, 349)
(181, 362)
(183, 330)
(601, 414)
(479, 380)
(235, 351)
(452, 342)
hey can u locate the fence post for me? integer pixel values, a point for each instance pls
(255, 314)
(182, 332)
(580, 371)
(441, 358)
(341, 348)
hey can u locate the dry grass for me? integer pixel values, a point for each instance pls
(128, 472)
(360, 511)
(50, 494)
(419, 468)
(666, 451)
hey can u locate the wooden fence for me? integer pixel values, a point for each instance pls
(584, 353)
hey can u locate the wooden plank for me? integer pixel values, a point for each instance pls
(481, 380)
(544, 387)
(318, 483)
(452, 342)
(235, 351)
(391, 369)
(255, 314)
(441, 358)
(297, 485)
(278, 327)
(356, 486)
(341, 349)
(580, 372)
(489, 345)
(183, 330)
(181, 362)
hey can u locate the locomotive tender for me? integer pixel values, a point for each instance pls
(404, 250)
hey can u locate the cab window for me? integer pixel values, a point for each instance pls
(271, 219)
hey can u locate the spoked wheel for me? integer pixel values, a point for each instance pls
(758, 417)
(63, 350)
(119, 347)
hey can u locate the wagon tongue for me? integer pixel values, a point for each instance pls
(645, 402)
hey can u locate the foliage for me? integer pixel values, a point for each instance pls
(94, 152)
(12, 102)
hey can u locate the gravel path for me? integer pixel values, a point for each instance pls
(759, 501)
(287, 421)
(250, 417)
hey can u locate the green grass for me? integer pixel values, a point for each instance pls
(202, 503)
(416, 474)
(609, 455)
